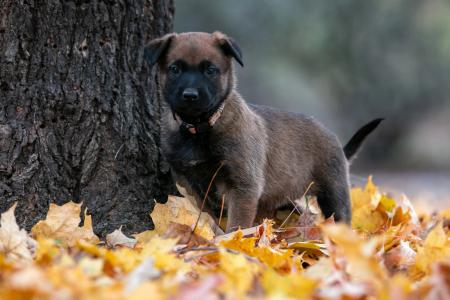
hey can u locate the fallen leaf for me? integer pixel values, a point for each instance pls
(439, 283)
(367, 215)
(147, 290)
(26, 283)
(117, 238)
(184, 235)
(255, 263)
(359, 254)
(161, 251)
(181, 210)
(246, 232)
(205, 289)
(293, 285)
(436, 248)
(145, 271)
(61, 224)
(312, 248)
(239, 271)
(15, 244)
(399, 258)
(239, 243)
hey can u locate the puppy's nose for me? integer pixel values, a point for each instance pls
(190, 94)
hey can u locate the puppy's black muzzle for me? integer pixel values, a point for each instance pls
(190, 94)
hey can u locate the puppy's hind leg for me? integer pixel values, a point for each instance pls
(241, 210)
(333, 197)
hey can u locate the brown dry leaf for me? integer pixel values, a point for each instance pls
(15, 244)
(61, 224)
(184, 235)
(399, 258)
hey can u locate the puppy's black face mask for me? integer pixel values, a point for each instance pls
(196, 71)
(193, 91)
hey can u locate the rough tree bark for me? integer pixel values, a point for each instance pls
(78, 112)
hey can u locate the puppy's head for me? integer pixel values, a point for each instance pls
(196, 70)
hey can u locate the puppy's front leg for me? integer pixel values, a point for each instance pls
(241, 210)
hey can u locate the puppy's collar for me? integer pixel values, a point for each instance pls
(202, 126)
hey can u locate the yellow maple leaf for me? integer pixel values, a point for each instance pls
(161, 251)
(239, 273)
(388, 203)
(275, 258)
(239, 243)
(360, 254)
(292, 285)
(124, 258)
(178, 210)
(446, 213)
(271, 256)
(362, 197)
(46, 251)
(368, 215)
(15, 243)
(435, 248)
(145, 236)
(61, 224)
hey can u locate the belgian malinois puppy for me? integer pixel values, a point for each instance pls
(261, 156)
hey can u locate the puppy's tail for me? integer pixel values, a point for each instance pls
(352, 147)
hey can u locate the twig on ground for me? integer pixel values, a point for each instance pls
(211, 250)
(201, 255)
(246, 232)
(185, 250)
(204, 200)
(295, 207)
(221, 209)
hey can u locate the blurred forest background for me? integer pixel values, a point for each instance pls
(346, 62)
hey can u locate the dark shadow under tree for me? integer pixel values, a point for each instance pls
(78, 110)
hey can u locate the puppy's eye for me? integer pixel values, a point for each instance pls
(211, 70)
(174, 70)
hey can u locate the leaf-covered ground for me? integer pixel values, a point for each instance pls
(391, 252)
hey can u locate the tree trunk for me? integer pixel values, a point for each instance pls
(79, 116)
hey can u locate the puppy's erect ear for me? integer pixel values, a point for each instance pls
(157, 48)
(229, 46)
